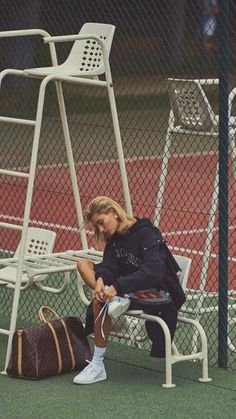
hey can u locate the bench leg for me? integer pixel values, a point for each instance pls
(168, 364)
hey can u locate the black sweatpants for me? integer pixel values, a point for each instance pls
(168, 313)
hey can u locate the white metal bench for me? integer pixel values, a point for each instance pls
(65, 262)
(172, 355)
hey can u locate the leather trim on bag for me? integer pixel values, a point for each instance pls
(19, 353)
(57, 347)
(69, 344)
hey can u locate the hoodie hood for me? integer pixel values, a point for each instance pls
(140, 223)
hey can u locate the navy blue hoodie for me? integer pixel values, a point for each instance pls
(140, 260)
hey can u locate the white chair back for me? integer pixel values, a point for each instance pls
(190, 105)
(184, 264)
(86, 55)
(39, 242)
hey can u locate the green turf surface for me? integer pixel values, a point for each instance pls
(133, 390)
(69, 303)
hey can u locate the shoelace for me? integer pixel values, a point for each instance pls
(91, 365)
(103, 311)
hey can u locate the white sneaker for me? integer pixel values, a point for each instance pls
(90, 374)
(117, 306)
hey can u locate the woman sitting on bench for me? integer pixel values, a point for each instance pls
(135, 258)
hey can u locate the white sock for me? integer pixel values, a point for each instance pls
(98, 356)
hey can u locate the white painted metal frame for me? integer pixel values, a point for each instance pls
(36, 266)
(172, 355)
(90, 32)
(66, 262)
(39, 242)
(192, 114)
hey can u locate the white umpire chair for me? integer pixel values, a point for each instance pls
(86, 62)
(191, 114)
(39, 242)
(172, 354)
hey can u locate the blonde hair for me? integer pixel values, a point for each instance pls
(102, 205)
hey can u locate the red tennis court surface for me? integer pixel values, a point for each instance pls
(184, 215)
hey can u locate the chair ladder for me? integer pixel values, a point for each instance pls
(31, 177)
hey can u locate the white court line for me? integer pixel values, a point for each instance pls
(75, 229)
(133, 159)
(197, 230)
(45, 224)
(90, 233)
(198, 252)
(127, 160)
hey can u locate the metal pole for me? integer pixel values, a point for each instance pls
(202, 46)
(223, 181)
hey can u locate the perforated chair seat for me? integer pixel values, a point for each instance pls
(85, 58)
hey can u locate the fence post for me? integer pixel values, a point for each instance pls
(223, 180)
(202, 47)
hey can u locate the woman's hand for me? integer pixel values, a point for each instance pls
(99, 290)
(103, 294)
(109, 293)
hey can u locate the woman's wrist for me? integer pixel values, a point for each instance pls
(117, 287)
(100, 279)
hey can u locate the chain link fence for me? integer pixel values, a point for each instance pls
(174, 187)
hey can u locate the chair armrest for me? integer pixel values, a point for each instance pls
(71, 38)
(32, 32)
(24, 32)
